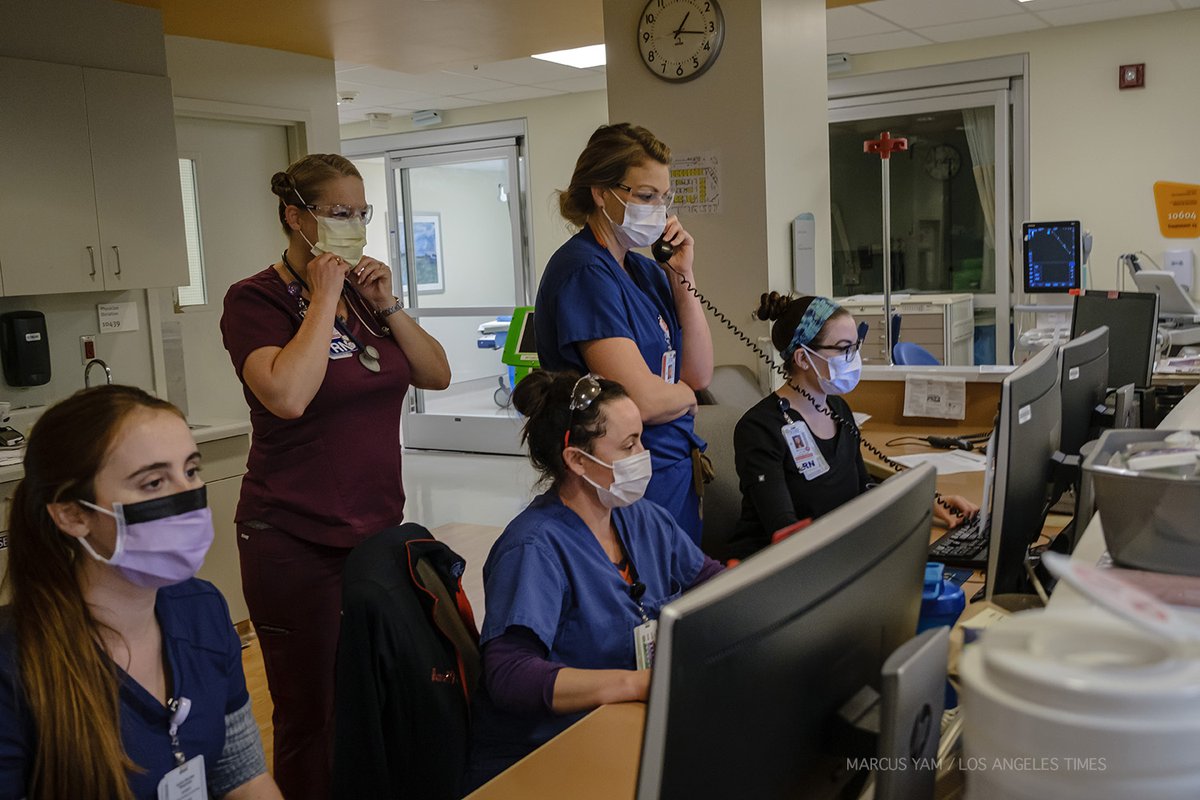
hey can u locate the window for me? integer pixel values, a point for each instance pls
(194, 294)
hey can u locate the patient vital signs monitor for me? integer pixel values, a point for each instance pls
(1052, 254)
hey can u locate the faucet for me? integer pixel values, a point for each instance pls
(88, 368)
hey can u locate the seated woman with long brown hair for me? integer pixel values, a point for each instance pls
(120, 672)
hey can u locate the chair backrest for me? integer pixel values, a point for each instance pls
(407, 661)
(913, 353)
(734, 385)
(723, 496)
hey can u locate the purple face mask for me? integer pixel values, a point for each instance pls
(160, 542)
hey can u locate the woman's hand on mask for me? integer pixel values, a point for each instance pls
(325, 275)
(682, 241)
(373, 279)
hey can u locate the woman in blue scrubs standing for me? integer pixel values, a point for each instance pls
(573, 581)
(603, 308)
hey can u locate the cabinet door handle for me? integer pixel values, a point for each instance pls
(92, 255)
(117, 251)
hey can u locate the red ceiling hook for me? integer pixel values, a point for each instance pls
(884, 145)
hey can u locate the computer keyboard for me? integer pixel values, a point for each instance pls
(964, 546)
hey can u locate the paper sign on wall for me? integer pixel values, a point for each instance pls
(944, 398)
(696, 181)
(118, 317)
(1178, 208)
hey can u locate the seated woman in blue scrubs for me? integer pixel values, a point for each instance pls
(574, 578)
(603, 308)
(120, 673)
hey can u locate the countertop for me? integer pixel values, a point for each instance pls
(202, 430)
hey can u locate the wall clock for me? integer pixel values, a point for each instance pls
(680, 39)
(942, 162)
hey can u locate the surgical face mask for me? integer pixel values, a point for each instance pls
(643, 223)
(342, 237)
(630, 478)
(843, 374)
(160, 542)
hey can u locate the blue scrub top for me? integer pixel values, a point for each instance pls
(547, 572)
(586, 295)
(204, 655)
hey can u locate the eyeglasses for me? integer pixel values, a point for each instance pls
(648, 198)
(847, 351)
(344, 212)
(583, 394)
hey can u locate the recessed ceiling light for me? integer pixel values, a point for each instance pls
(581, 57)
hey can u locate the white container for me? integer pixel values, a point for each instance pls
(1079, 706)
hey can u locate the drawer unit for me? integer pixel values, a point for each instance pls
(944, 324)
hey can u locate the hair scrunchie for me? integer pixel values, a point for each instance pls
(815, 316)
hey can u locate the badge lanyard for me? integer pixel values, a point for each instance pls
(645, 633)
(180, 708)
(802, 445)
(368, 356)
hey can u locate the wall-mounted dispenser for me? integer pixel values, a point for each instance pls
(25, 348)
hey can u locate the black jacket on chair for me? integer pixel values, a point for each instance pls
(407, 661)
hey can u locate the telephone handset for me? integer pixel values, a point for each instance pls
(662, 251)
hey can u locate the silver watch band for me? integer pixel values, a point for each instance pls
(384, 313)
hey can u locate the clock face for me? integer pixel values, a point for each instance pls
(942, 162)
(680, 39)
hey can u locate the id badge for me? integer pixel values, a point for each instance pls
(340, 346)
(804, 450)
(668, 366)
(643, 643)
(185, 782)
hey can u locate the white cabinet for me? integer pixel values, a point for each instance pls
(944, 324)
(90, 196)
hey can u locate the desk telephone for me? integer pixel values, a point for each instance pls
(662, 252)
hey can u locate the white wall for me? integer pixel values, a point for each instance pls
(1096, 151)
(558, 129)
(257, 77)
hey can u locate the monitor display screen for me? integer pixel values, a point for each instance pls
(1132, 320)
(1052, 255)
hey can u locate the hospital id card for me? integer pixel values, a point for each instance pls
(803, 447)
(643, 643)
(185, 782)
(668, 366)
(340, 346)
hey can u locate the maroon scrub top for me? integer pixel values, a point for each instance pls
(333, 475)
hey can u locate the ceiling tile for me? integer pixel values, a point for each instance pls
(369, 95)
(1113, 9)
(1188, 3)
(424, 83)
(1018, 23)
(591, 83)
(1037, 6)
(922, 13)
(848, 21)
(524, 71)
(510, 94)
(445, 103)
(881, 41)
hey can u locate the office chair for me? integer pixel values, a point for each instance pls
(914, 354)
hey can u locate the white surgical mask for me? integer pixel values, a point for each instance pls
(342, 237)
(643, 223)
(630, 478)
(843, 374)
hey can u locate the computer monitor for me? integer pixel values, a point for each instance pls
(1132, 320)
(1082, 385)
(1026, 437)
(751, 667)
(1052, 253)
(520, 347)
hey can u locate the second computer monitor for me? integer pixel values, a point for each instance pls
(1132, 321)
(751, 667)
(1082, 383)
(1052, 256)
(1026, 437)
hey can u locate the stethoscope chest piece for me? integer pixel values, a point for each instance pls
(369, 358)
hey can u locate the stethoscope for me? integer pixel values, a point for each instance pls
(368, 356)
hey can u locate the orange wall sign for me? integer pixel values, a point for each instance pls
(1178, 209)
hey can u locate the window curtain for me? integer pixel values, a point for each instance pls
(979, 125)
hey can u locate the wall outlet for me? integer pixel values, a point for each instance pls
(87, 348)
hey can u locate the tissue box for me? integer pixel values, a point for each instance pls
(1149, 521)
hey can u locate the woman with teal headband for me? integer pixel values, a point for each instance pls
(793, 460)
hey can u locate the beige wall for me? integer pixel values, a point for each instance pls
(558, 129)
(1095, 151)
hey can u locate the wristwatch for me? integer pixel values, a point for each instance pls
(384, 313)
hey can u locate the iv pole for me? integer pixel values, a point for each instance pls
(884, 146)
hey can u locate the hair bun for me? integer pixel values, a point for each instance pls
(282, 184)
(772, 306)
(541, 390)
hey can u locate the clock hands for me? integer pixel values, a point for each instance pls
(682, 22)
